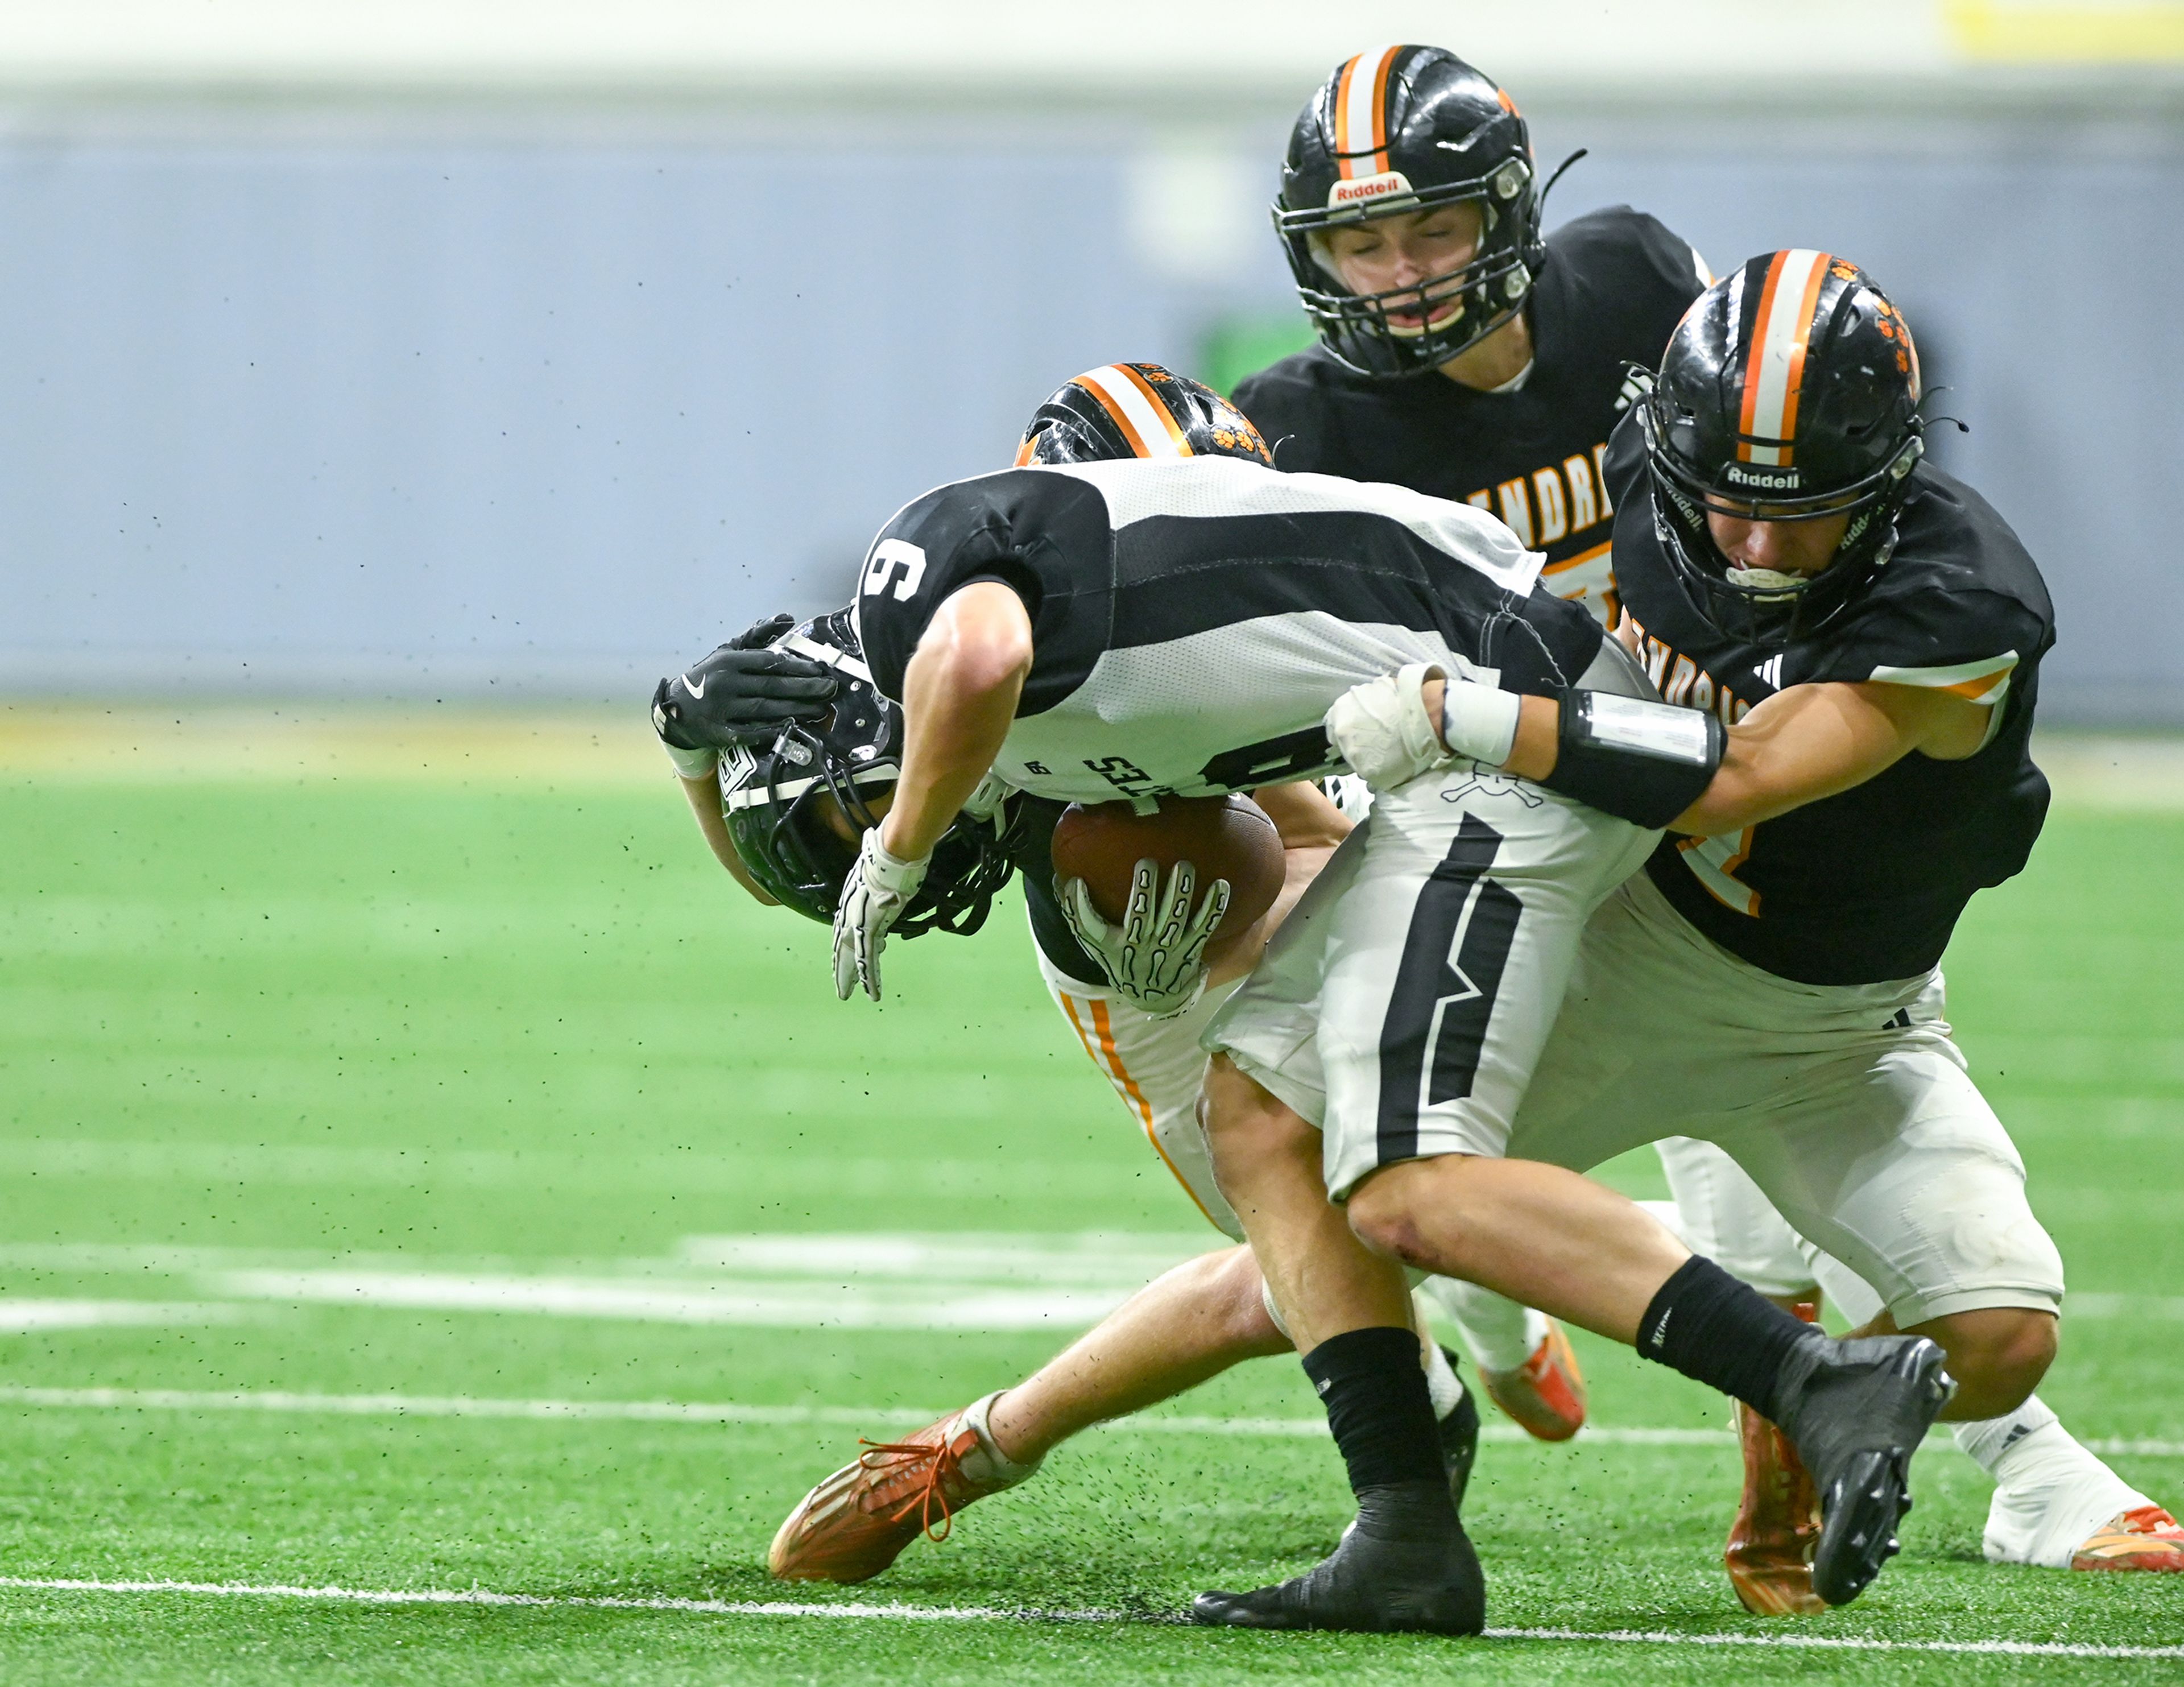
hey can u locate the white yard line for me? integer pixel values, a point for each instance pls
(979, 1613)
(729, 1411)
(23, 1314)
(844, 1303)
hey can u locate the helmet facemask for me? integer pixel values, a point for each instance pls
(1489, 288)
(1761, 605)
(795, 809)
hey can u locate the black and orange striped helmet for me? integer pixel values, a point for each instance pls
(1789, 392)
(1403, 129)
(1137, 409)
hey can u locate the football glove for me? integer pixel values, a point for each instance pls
(874, 895)
(741, 694)
(1156, 959)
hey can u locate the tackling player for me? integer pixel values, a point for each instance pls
(1858, 636)
(1409, 214)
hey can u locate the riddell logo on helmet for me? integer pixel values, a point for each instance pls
(1357, 190)
(1763, 478)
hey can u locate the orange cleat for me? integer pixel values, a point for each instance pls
(1545, 1395)
(1770, 1554)
(2146, 1538)
(856, 1522)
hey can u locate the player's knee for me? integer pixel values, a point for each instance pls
(1382, 1212)
(1998, 1354)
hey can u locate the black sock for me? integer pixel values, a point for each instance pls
(1374, 1389)
(1720, 1332)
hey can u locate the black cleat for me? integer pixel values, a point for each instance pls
(1459, 1442)
(1856, 1412)
(1405, 1565)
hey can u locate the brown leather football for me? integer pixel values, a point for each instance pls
(1228, 837)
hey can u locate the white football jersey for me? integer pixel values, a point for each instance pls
(1193, 620)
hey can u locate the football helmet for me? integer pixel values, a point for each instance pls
(1789, 392)
(1137, 409)
(1404, 129)
(796, 805)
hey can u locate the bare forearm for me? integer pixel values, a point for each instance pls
(704, 796)
(1800, 745)
(1302, 815)
(959, 695)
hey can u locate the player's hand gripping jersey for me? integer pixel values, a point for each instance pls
(1865, 885)
(1613, 287)
(1192, 620)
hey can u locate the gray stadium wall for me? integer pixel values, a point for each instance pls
(417, 412)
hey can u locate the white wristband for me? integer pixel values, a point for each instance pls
(692, 763)
(890, 872)
(1479, 722)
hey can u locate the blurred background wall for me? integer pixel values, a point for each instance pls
(410, 351)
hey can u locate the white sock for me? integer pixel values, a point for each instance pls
(986, 1464)
(1442, 1382)
(1985, 1442)
(2050, 1492)
(1501, 1335)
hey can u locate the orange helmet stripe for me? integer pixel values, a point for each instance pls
(1175, 433)
(1138, 416)
(1361, 112)
(1775, 364)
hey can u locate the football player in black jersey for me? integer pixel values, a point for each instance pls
(1867, 631)
(1465, 355)
(1463, 352)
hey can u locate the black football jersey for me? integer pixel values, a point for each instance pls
(1866, 885)
(1192, 621)
(1614, 285)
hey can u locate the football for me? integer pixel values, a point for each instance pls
(1228, 837)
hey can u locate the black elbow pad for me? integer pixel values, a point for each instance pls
(1643, 762)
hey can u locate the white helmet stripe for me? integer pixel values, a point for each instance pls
(1776, 366)
(797, 644)
(757, 794)
(1364, 87)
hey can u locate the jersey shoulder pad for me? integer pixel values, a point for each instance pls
(1460, 532)
(1617, 244)
(1959, 606)
(1974, 644)
(1027, 528)
(1623, 467)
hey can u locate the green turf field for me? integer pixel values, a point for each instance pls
(371, 1144)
